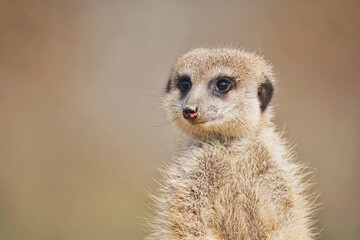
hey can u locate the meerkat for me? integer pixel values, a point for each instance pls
(233, 175)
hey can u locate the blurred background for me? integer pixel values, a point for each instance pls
(80, 88)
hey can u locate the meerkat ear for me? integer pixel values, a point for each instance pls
(168, 85)
(265, 93)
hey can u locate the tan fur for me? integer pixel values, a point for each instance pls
(232, 176)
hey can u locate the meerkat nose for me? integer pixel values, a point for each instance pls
(190, 112)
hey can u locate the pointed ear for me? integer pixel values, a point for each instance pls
(265, 93)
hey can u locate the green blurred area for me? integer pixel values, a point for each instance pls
(80, 88)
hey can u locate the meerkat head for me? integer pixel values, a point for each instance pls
(219, 92)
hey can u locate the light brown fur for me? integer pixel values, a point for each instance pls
(232, 176)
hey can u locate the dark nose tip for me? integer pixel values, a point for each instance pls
(190, 113)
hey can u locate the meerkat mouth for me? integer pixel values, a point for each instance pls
(195, 123)
(199, 122)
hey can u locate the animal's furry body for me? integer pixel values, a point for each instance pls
(232, 176)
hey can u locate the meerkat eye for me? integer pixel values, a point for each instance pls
(223, 85)
(184, 83)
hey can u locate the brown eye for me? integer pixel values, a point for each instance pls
(184, 84)
(223, 85)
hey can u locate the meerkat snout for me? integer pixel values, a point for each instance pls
(191, 112)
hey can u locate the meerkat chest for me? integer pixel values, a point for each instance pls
(207, 169)
(193, 185)
(213, 185)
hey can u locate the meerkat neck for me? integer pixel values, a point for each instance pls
(224, 139)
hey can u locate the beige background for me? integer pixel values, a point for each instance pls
(80, 83)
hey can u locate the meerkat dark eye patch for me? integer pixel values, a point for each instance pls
(265, 93)
(184, 84)
(220, 86)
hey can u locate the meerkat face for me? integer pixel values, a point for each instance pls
(219, 92)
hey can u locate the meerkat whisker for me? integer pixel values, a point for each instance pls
(166, 122)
